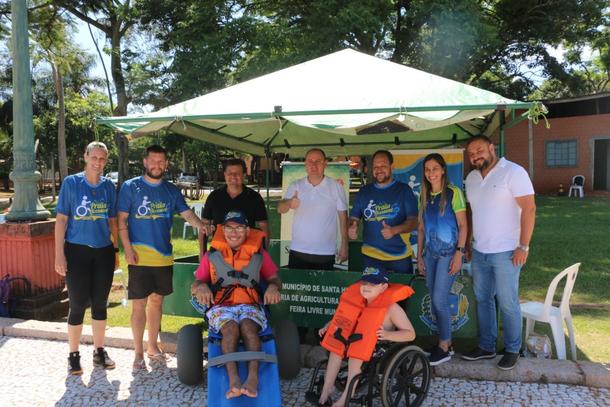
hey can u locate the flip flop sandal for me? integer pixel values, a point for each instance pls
(159, 357)
(139, 364)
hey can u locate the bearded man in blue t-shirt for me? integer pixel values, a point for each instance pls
(146, 209)
(388, 209)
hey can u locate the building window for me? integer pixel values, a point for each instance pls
(561, 153)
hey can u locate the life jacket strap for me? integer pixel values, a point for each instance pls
(346, 342)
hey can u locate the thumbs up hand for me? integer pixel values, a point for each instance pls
(386, 230)
(295, 201)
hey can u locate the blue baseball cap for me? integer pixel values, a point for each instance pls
(237, 217)
(375, 275)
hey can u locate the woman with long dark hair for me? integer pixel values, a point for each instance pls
(440, 245)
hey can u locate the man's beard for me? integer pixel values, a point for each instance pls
(483, 165)
(151, 175)
(383, 179)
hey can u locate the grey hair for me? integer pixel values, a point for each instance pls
(96, 144)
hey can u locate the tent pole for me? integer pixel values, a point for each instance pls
(502, 123)
(267, 177)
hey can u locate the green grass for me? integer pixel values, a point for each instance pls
(567, 231)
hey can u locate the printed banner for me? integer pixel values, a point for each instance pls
(292, 172)
(309, 298)
(408, 166)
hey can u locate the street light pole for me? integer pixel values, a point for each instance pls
(26, 204)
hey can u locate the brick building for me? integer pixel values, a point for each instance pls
(577, 143)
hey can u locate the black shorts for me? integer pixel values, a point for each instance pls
(298, 260)
(145, 280)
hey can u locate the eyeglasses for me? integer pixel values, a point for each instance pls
(232, 229)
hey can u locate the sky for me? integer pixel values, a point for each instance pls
(84, 41)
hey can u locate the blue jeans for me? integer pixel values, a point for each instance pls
(403, 266)
(494, 274)
(439, 283)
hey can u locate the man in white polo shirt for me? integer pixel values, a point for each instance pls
(318, 202)
(501, 198)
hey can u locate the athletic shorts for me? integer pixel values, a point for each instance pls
(221, 314)
(145, 280)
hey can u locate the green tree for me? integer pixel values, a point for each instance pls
(52, 43)
(467, 40)
(585, 70)
(114, 19)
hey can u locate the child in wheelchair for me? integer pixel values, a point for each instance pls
(227, 282)
(367, 312)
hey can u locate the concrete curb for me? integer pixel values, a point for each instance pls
(118, 337)
(581, 373)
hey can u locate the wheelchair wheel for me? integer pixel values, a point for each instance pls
(189, 355)
(406, 378)
(288, 349)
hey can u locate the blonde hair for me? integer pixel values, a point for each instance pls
(96, 144)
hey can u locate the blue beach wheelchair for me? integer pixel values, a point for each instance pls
(279, 356)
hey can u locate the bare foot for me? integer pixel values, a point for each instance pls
(340, 402)
(233, 392)
(325, 393)
(154, 349)
(250, 387)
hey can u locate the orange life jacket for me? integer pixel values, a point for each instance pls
(239, 293)
(356, 323)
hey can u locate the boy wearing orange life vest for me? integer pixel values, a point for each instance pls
(234, 267)
(367, 312)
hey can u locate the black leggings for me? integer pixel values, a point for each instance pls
(89, 279)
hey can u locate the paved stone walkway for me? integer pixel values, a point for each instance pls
(33, 373)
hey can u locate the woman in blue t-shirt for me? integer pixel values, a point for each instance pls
(441, 238)
(86, 249)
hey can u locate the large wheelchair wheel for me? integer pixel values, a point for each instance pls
(189, 355)
(288, 349)
(406, 378)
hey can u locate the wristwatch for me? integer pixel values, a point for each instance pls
(524, 247)
(461, 250)
(116, 249)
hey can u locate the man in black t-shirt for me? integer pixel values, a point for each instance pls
(235, 196)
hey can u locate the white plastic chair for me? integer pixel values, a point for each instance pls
(537, 311)
(198, 210)
(577, 186)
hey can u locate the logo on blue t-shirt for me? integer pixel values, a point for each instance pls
(91, 210)
(152, 210)
(380, 211)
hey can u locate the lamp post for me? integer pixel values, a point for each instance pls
(27, 241)
(26, 205)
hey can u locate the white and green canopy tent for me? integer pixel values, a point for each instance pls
(346, 103)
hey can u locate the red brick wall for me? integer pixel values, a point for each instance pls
(547, 179)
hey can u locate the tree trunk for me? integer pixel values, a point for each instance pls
(122, 101)
(61, 122)
(53, 191)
